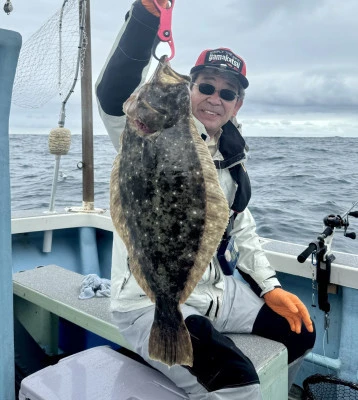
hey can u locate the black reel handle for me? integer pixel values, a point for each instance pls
(307, 252)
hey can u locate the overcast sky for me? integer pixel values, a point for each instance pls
(301, 56)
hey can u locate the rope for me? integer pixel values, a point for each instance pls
(60, 138)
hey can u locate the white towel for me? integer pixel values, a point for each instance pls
(92, 285)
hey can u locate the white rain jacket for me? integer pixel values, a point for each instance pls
(125, 69)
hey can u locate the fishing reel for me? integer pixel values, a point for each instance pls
(336, 221)
(321, 251)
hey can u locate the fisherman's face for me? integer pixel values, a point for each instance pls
(211, 110)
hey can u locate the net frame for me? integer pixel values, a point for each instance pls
(327, 382)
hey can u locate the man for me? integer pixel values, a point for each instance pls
(219, 303)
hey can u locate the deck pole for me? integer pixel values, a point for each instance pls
(87, 118)
(10, 44)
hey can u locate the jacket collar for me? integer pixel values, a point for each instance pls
(232, 145)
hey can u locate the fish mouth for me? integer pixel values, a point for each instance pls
(156, 117)
(143, 127)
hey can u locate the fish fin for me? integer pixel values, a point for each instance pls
(116, 210)
(216, 214)
(169, 340)
(137, 272)
(118, 219)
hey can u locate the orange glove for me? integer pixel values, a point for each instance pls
(290, 307)
(151, 7)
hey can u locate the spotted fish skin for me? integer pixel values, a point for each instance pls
(167, 205)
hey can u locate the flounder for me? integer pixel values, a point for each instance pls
(167, 205)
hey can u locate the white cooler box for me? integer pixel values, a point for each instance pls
(99, 373)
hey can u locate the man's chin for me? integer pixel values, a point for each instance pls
(211, 128)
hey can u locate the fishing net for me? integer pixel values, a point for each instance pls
(326, 387)
(48, 60)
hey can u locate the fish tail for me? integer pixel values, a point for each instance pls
(169, 340)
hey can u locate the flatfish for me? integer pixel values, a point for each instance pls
(166, 204)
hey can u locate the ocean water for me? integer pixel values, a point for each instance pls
(295, 182)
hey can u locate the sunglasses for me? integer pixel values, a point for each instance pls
(208, 89)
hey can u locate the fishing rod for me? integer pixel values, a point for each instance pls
(320, 250)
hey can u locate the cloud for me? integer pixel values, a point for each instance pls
(324, 91)
(301, 57)
(256, 13)
(278, 35)
(298, 128)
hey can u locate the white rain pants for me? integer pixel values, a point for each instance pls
(233, 317)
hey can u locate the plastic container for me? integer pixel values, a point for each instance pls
(99, 373)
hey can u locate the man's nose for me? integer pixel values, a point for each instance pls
(214, 98)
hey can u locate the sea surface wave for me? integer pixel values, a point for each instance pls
(295, 182)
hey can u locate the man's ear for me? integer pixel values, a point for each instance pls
(237, 107)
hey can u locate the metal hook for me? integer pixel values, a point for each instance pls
(314, 259)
